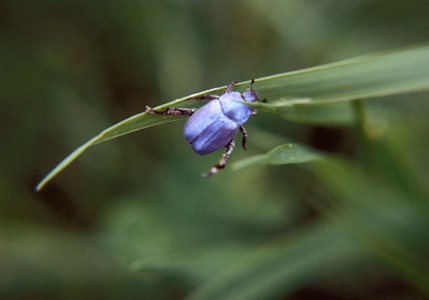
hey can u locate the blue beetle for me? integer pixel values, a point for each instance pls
(215, 124)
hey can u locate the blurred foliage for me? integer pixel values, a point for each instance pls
(132, 218)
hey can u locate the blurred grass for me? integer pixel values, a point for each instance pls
(132, 219)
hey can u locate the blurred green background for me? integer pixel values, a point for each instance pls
(132, 218)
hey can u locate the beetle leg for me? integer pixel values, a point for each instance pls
(244, 132)
(171, 111)
(228, 89)
(223, 160)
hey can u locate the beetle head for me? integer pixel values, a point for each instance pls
(250, 96)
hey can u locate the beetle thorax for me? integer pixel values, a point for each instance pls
(250, 96)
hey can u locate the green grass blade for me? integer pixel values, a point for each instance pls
(375, 75)
(281, 155)
(131, 124)
(293, 94)
(134, 123)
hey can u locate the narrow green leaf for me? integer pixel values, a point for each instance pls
(375, 75)
(293, 94)
(281, 155)
(134, 123)
(131, 124)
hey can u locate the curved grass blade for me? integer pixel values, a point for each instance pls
(131, 124)
(281, 155)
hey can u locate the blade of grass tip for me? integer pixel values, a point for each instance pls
(131, 124)
(65, 163)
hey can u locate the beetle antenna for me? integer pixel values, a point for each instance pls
(251, 83)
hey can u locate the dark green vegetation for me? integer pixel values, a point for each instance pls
(132, 219)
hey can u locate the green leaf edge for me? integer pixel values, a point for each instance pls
(290, 153)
